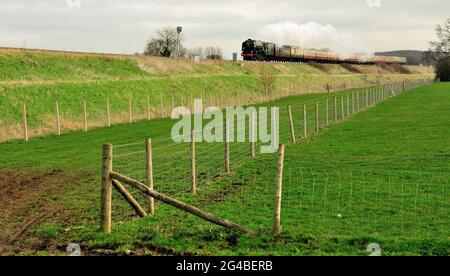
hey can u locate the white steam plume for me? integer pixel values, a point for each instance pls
(313, 35)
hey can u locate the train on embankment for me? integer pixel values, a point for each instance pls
(257, 50)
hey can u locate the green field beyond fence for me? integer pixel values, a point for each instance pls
(378, 174)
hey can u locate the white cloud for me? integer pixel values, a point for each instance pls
(313, 35)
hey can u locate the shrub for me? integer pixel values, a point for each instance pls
(443, 70)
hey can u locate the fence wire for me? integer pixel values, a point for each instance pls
(323, 195)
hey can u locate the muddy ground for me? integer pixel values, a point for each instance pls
(28, 198)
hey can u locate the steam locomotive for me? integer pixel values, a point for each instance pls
(257, 50)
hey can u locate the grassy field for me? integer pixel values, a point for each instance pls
(40, 79)
(379, 176)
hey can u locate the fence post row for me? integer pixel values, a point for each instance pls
(360, 100)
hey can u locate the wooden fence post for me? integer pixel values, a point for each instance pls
(358, 102)
(342, 108)
(372, 97)
(367, 99)
(252, 134)
(348, 105)
(148, 108)
(106, 196)
(335, 109)
(305, 123)
(149, 165)
(227, 147)
(85, 116)
(326, 113)
(193, 176)
(291, 125)
(130, 115)
(353, 103)
(278, 194)
(108, 113)
(58, 121)
(24, 122)
(317, 117)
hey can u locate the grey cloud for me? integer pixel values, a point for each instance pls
(124, 26)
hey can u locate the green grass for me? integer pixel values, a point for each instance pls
(384, 170)
(41, 98)
(40, 79)
(29, 66)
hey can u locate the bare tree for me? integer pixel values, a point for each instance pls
(267, 80)
(195, 51)
(164, 44)
(213, 53)
(440, 48)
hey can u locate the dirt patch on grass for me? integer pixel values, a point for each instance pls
(221, 194)
(350, 68)
(320, 66)
(394, 68)
(28, 198)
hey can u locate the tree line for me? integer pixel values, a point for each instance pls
(167, 42)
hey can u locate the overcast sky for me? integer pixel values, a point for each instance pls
(121, 26)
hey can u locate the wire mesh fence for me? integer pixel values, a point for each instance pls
(323, 195)
(338, 202)
(48, 114)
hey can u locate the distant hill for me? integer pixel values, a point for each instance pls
(413, 57)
